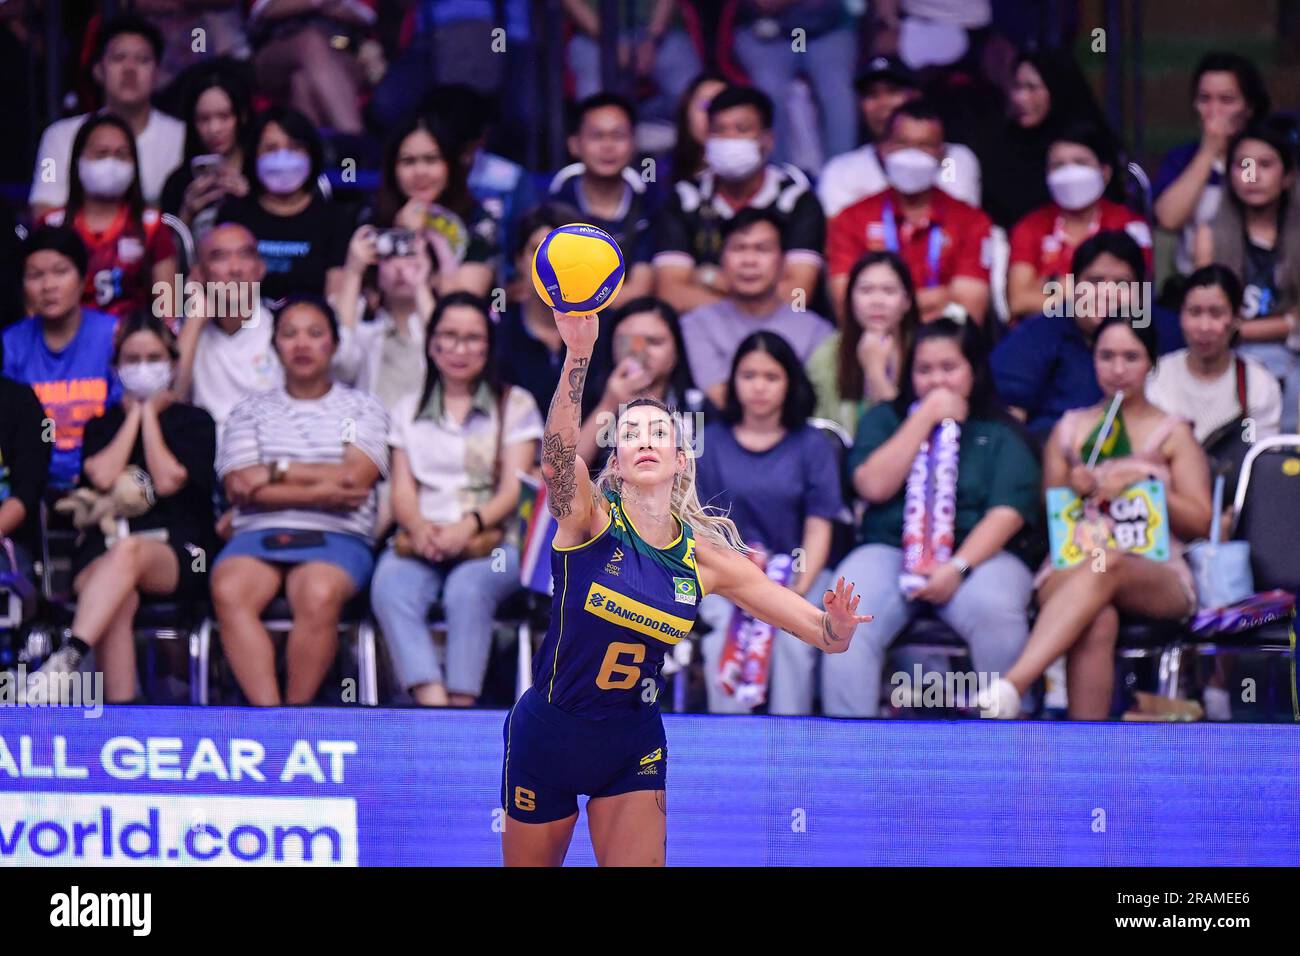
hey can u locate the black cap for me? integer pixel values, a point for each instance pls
(886, 68)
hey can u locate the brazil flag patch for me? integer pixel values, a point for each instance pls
(684, 590)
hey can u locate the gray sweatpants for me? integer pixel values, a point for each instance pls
(988, 611)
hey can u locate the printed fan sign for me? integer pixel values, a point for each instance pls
(1136, 522)
(747, 653)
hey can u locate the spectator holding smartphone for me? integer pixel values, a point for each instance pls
(380, 350)
(644, 356)
(300, 464)
(217, 118)
(424, 189)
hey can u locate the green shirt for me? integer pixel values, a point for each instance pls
(823, 368)
(995, 467)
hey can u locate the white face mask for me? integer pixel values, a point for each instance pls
(732, 158)
(283, 171)
(1075, 186)
(910, 170)
(144, 380)
(108, 178)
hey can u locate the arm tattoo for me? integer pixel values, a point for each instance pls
(577, 378)
(828, 633)
(560, 442)
(564, 485)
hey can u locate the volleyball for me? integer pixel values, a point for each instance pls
(578, 269)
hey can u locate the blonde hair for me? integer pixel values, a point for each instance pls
(708, 523)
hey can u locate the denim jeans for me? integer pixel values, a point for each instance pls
(988, 611)
(793, 663)
(401, 593)
(827, 63)
(676, 64)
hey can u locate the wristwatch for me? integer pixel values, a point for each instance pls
(279, 468)
(962, 566)
(478, 521)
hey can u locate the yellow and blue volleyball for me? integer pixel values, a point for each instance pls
(578, 269)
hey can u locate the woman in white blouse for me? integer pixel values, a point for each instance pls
(457, 450)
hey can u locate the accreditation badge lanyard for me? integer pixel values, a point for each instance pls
(1063, 241)
(934, 245)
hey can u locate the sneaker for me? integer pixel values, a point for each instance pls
(1218, 703)
(1001, 701)
(65, 660)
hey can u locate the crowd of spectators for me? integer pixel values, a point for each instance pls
(350, 406)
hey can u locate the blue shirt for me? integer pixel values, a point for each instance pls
(74, 385)
(770, 493)
(1172, 166)
(619, 604)
(504, 191)
(1045, 366)
(440, 13)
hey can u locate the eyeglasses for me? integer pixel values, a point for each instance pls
(450, 341)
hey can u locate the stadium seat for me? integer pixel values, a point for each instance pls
(278, 619)
(1267, 516)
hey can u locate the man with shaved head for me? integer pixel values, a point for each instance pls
(225, 340)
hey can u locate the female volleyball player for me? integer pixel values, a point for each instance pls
(633, 555)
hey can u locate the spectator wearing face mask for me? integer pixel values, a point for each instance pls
(63, 350)
(603, 189)
(163, 552)
(226, 354)
(829, 52)
(125, 62)
(1256, 234)
(302, 237)
(1228, 93)
(1048, 92)
(690, 227)
(885, 85)
(129, 247)
(1044, 367)
(944, 241)
(1080, 166)
(751, 266)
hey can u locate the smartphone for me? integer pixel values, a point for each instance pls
(284, 540)
(205, 165)
(631, 346)
(394, 242)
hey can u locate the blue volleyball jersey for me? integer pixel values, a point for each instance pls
(619, 605)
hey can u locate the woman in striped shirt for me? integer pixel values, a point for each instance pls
(300, 463)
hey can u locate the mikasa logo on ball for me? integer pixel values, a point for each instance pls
(578, 268)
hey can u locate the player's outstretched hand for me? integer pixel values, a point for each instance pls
(841, 618)
(578, 332)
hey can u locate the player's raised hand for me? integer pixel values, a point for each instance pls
(578, 332)
(842, 617)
